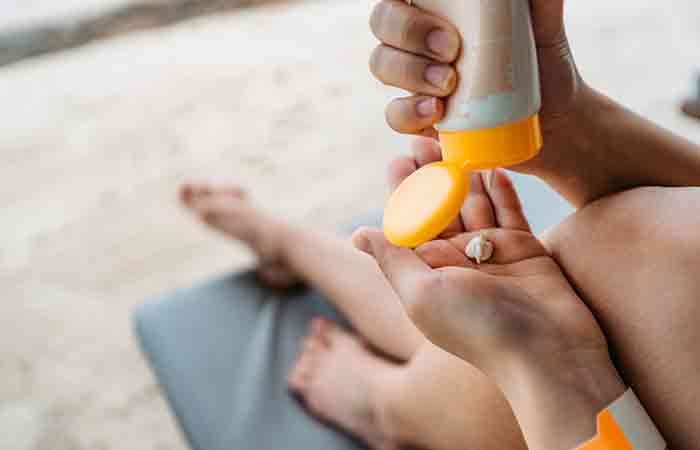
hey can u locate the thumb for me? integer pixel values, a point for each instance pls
(404, 270)
(548, 21)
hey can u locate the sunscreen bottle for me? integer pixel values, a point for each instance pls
(491, 119)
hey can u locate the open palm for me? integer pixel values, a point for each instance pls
(518, 300)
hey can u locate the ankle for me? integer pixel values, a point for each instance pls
(388, 409)
(289, 237)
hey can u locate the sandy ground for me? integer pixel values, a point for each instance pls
(95, 141)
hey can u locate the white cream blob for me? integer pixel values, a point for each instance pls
(479, 249)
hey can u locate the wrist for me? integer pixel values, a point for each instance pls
(557, 399)
(565, 131)
(576, 159)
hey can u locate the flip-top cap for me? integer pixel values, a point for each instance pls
(425, 204)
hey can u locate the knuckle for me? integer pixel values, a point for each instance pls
(421, 301)
(413, 28)
(403, 70)
(411, 72)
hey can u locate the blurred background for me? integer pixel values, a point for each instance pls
(106, 106)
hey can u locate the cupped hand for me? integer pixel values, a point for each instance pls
(517, 303)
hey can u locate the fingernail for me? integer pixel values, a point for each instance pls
(442, 43)
(439, 75)
(427, 107)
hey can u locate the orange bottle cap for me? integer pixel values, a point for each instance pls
(491, 148)
(425, 204)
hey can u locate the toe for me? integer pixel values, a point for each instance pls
(215, 208)
(308, 344)
(323, 330)
(235, 191)
(300, 375)
(295, 380)
(332, 333)
(191, 192)
(229, 190)
(317, 324)
(506, 204)
(186, 193)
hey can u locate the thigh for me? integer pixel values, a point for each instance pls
(454, 406)
(635, 258)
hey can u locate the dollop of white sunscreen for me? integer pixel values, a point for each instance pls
(479, 249)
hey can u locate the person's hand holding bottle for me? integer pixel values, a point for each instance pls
(592, 145)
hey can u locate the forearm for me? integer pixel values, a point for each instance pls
(557, 404)
(610, 149)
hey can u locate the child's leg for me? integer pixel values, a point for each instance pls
(349, 278)
(356, 287)
(634, 258)
(435, 401)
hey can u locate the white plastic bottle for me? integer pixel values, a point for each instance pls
(491, 118)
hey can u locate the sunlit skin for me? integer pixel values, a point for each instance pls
(398, 387)
(596, 153)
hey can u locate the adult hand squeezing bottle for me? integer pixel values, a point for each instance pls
(491, 119)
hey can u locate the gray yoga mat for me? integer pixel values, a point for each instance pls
(221, 351)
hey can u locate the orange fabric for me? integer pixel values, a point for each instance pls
(610, 435)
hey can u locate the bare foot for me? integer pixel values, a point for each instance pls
(335, 375)
(228, 210)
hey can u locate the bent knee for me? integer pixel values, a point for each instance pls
(625, 252)
(646, 224)
(633, 257)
